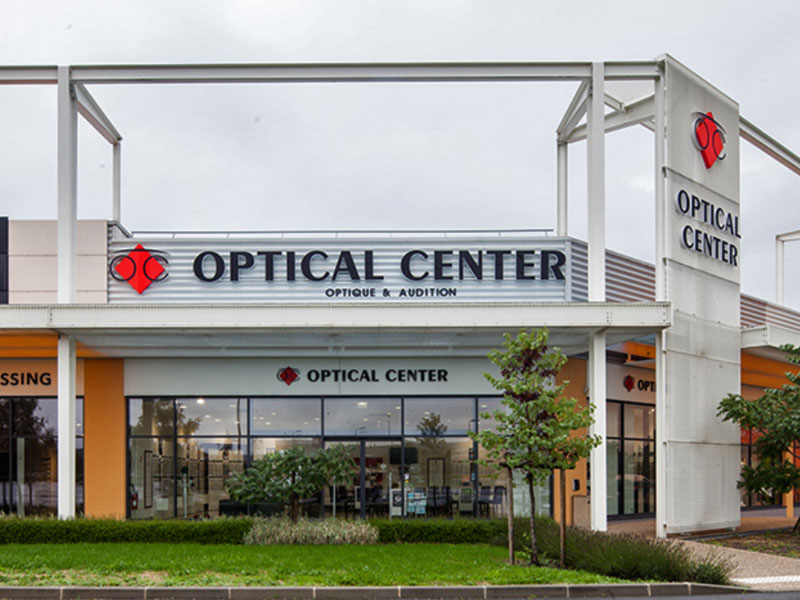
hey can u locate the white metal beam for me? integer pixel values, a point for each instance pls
(598, 458)
(596, 184)
(562, 183)
(66, 427)
(640, 112)
(575, 111)
(659, 110)
(780, 240)
(355, 72)
(67, 187)
(769, 145)
(389, 316)
(360, 72)
(28, 75)
(116, 183)
(661, 437)
(91, 111)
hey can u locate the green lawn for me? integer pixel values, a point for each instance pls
(224, 565)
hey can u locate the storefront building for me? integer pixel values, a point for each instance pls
(138, 371)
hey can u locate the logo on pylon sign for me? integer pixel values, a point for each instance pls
(139, 266)
(628, 382)
(709, 138)
(288, 375)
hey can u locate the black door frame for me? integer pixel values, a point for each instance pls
(362, 478)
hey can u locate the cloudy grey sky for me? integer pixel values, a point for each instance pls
(416, 156)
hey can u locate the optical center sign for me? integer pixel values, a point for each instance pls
(324, 270)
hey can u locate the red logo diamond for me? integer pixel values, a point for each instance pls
(288, 375)
(139, 268)
(709, 137)
(628, 382)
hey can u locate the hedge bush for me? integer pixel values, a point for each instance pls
(441, 531)
(281, 530)
(49, 530)
(623, 556)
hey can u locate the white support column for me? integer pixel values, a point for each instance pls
(661, 193)
(597, 395)
(66, 426)
(116, 212)
(67, 187)
(778, 270)
(596, 185)
(562, 205)
(661, 437)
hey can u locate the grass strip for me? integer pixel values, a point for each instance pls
(232, 565)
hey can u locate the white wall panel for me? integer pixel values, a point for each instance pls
(701, 477)
(705, 297)
(698, 337)
(702, 348)
(259, 377)
(695, 387)
(688, 94)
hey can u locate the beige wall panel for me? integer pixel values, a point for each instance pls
(39, 238)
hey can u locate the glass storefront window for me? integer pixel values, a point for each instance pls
(203, 468)
(362, 416)
(630, 455)
(261, 446)
(29, 456)
(285, 416)
(211, 416)
(438, 476)
(639, 421)
(182, 451)
(613, 411)
(151, 416)
(489, 406)
(152, 478)
(439, 416)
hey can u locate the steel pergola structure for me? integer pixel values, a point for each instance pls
(585, 118)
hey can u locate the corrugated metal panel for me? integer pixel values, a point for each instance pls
(182, 286)
(629, 279)
(757, 312)
(753, 311)
(580, 271)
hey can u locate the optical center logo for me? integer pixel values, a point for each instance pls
(709, 138)
(288, 375)
(628, 382)
(140, 267)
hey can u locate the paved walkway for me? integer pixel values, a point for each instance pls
(752, 569)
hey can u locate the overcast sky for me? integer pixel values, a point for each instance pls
(389, 156)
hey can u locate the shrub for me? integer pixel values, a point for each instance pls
(282, 530)
(49, 530)
(623, 556)
(441, 531)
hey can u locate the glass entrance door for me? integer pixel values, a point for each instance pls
(377, 486)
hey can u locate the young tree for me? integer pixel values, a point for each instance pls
(535, 431)
(775, 416)
(288, 476)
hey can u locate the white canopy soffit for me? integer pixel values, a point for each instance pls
(334, 330)
(767, 340)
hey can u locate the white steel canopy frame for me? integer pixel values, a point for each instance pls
(585, 119)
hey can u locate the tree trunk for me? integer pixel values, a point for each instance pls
(796, 525)
(534, 550)
(510, 516)
(295, 508)
(563, 525)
